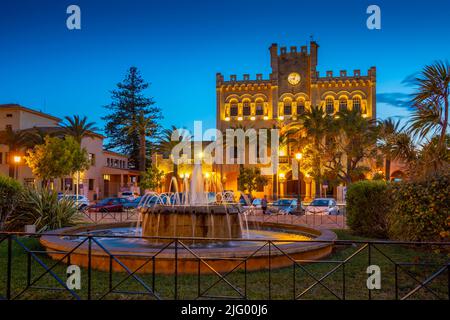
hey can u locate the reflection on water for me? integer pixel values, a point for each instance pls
(138, 242)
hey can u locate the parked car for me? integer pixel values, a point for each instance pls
(108, 205)
(129, 195)
(133, 204)
(245, 200)
(285, 206)
(83, 201)
(256, 203)
(325, 206)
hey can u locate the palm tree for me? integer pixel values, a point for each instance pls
(388, 131)
(16, 140)
(165, 145)
(241, 148)
(431, 101)
(36, 137)
(78, 127)
(357, 141)
(317, 125)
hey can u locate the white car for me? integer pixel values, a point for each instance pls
(83, 201)
(324, 206)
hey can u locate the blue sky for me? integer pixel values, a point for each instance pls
(180, 45)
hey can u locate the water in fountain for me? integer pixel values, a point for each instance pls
(197, 192)
(191, 213)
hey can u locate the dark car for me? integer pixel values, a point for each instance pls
(133, 204)
(108, 205)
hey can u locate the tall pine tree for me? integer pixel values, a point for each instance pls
(130, 108)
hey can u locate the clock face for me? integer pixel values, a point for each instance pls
(294, 78)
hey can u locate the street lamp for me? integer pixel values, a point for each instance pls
(299, 156)
(17, 160)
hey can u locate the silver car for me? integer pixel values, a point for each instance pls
(285, 206)
(324, 206)
(83, 201)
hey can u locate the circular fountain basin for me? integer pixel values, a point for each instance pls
(196, 221)
(188, 255)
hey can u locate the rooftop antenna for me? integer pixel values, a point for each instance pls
(311, 37)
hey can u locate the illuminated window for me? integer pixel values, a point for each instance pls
(287, 108)
(329, 105)
(234, 110)
(343, 104)
(92, 159)
(259, 109)
(300, 107)
(357, 104)
(246, 109)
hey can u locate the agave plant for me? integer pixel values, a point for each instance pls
(42, 208)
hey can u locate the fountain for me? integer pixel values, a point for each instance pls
(191, 215)
(176, 229)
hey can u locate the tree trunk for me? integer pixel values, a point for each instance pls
(348, 175)
(142, 152)
(387, 169)
(445, 122)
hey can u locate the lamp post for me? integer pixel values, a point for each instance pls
(298, 156)
(17, 160)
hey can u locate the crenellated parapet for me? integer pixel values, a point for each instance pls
(344, 76)
(245, 80)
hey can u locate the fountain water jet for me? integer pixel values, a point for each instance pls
(192, 215)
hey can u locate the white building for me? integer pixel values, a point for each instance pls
(107, 176)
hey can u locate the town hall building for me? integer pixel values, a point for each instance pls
(293, 86)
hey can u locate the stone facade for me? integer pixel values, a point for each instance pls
(293, 86)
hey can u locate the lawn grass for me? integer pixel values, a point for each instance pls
(285, 283)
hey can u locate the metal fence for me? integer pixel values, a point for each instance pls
(312, 220)
(110, 216)
(409, 270)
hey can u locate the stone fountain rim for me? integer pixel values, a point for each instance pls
(53, 241)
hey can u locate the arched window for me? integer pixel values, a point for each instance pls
(329, 105)
(259, 108)
(357, 104)
(287, 108)
(343, 104)
(300, 107)
(233, 109)
(246, 108)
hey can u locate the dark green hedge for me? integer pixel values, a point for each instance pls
(10, 194)
(367, 206)
(421, 210)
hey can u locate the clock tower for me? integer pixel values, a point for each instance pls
(292, 70)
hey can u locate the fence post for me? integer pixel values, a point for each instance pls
(396, 281)
(343, 281)
(89, 265)
(370, 262)
(270, 271)
(9, 267)
(176, 270)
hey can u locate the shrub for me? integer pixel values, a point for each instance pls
(42, 208)
(367, 206)
(421, 210)
(10, 193)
